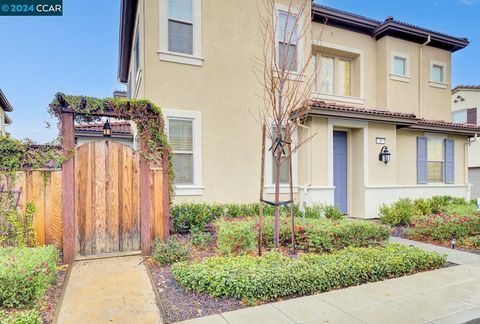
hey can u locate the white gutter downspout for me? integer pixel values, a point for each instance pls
(309, 169)
(420, 83)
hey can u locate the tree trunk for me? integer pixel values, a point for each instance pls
(292, 216)
(262, 184)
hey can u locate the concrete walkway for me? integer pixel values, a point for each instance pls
(449, 295)
(115, 290)
(455, 256)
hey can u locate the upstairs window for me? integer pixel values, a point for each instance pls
(468, 116)
(400, 66)
(438, 73)
(287, 41)
(137, 53)
(335, 76)
(180, 26)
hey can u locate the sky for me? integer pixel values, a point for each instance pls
(77, 53)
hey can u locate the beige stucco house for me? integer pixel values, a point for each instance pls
(380, 83)
(5, 107)
(465, 104)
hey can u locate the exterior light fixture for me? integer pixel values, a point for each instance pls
(384, 155)
(453, 241)
(107, 129)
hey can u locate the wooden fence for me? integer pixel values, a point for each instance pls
(44, 191)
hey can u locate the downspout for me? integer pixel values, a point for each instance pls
(420, 72)
(308, 183)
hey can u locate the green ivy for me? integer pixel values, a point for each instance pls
(146, 115)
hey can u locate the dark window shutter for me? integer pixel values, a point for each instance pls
(449, 161)
(421, 160)
(472, 116)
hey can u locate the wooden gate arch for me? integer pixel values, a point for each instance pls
(113, 199)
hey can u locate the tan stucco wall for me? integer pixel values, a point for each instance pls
(2, 122)
(227, 93)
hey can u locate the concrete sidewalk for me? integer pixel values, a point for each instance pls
(114, 290)
(449, 295)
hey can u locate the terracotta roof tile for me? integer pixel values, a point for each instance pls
(320, 104)
(470, 87)
(415, 122)
(117, 128)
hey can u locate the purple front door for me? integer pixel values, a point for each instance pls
(340, 170)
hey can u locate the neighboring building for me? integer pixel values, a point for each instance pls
(5, 107)
(465, 104)
(382, 83)
(121, 132)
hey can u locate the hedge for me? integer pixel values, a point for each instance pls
(314, 235)
(185, 216)
(28, 316)
(25, 274)
(273, 276)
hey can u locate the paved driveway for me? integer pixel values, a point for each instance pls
(114, 290)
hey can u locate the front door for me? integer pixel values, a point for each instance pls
(340, 169)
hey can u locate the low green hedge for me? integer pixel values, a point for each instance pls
(405, 210)
(185, 216)
(441, 227)
(25, 274)
(314, 235)
(274, 275)
(29, 316)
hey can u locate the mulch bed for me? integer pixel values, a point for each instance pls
(50, 300)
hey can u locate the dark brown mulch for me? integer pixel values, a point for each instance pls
(50, 300)
(178, 304)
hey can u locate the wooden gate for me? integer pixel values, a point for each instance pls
(107, 198)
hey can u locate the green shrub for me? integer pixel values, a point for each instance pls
(423, 206)
(170, 252)
(30, 316)
(315, 235)
(236, 237)
(323, 211)
(400, 212)
(440, 203)
(25, 274)
(189, 215)
(274, 275)
(17, 229)
(200, 238)
(461, 210)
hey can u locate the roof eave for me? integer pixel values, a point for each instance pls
(4, 103)
(444, 130)
(128, 10)
(100, 134)
(8, 121)
(325, 112)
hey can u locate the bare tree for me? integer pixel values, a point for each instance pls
(287, 76)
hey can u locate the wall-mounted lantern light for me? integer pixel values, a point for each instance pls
(107, 129)
(384, 155)
(453, 241)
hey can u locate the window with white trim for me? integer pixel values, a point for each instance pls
(335, 75)
(400, 65)
(287, 41)
(180, 26)
(184, 135)
(180, 31)
(435, 159)
(438, 73)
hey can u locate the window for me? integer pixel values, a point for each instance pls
(180, 26)
(185, 136)
(180, 135)
(435, 159)
(284, 167)
(335, 76)
(459, 116)
(137, 53)
(400, 66)
(344, 77)
(287, 41)
(438, 73)
(326, 74)
(181, 31)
